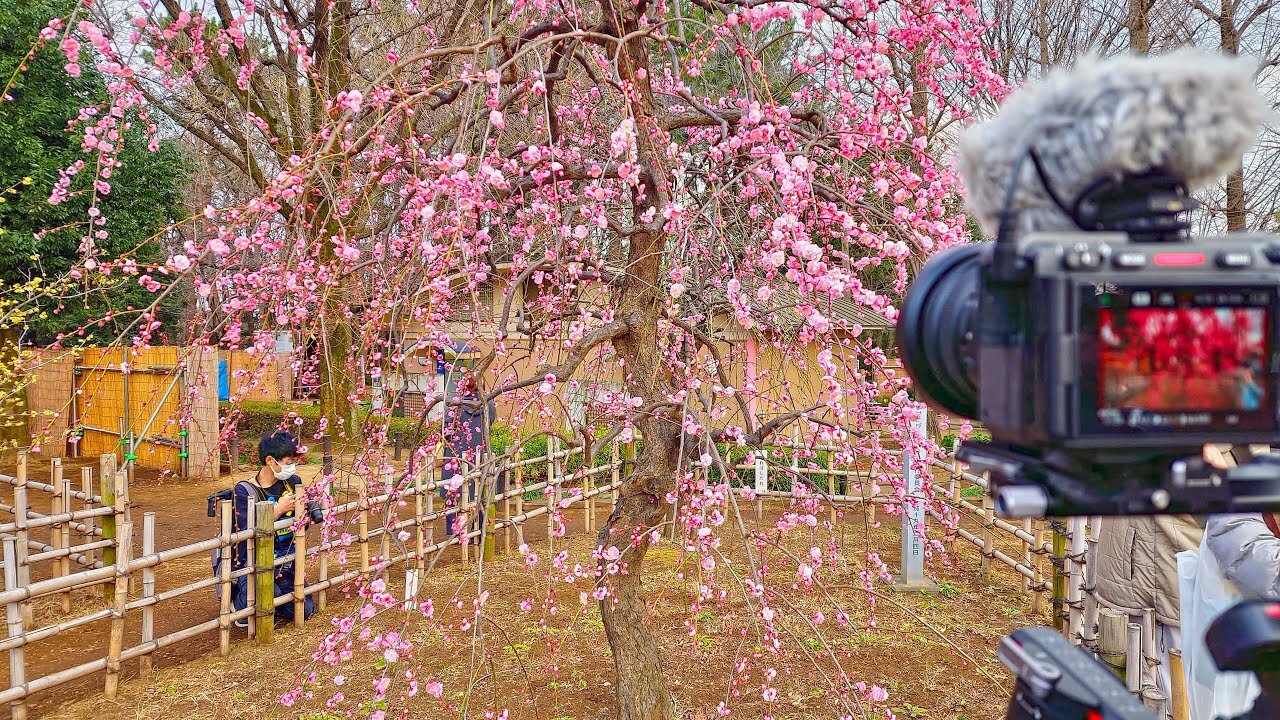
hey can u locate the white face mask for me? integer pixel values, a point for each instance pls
(286, 471)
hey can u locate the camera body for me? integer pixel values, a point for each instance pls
(1136, 345)
(1099, 360)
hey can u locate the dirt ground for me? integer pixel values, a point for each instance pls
(935, 653)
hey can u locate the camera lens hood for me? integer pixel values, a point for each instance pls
(935, 330)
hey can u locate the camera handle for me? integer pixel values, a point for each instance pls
(1055, 485)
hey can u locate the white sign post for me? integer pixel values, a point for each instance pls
(913, 520)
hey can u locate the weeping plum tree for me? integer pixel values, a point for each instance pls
(629, 250)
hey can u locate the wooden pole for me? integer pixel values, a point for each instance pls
(506, 509)
(988, 535)
(1028, 526)
(59, 533)
(420, 545)
(322, 598)
(1089, 631)
(1133, 658)
(363, 521)
(264, 571)
(224, 580)
(1151, 663)
(1112, 641)
(86, 487)
(614, 474)
(299, 574)
(21, 536)
(1178, 686)
(108, 491)
(552, 489)
(13, 619)
(1075, 580)
(1059, 579)
(587, 485)
(251, 555)
(120, 600)
(519, 502)
(388, 520)
(233, 453)
(1037, 602)
(148, 589)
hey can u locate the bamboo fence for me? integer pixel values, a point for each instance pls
(91, 546)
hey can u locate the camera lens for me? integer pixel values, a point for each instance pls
(936, 329)
(315, 511)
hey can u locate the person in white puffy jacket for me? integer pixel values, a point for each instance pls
(1248, 552)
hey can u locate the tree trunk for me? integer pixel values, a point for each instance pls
(335, 374)
(1139, 25)
(1235, 207)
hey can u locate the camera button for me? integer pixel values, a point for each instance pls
(1082, 257)
(1129, 260)
(1235, 259)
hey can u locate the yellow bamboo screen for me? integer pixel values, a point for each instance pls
(153, 383)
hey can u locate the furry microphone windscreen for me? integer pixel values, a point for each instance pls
(1189, 113)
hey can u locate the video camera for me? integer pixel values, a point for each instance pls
(1099, 343)
(314, 509)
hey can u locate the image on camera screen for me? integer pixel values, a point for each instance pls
(1182, 358)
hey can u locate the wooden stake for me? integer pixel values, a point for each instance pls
(1112, 641)
(251, 555)
(587, 485)
(364, 533)
(1075, 580)
(299, 575)
(1178, 686)
(60, 502)
(21, 536)
(120, 600)
(1027, 525)
(148, 588)
(264, 572)
(108, 491)
(506, 509)
(322, 601)
(519, 503)
(988, 535)
(552, 489)
(419, 543)
(1133, 659)
(1059, 578)
(86, 486)
(224, 580)
(14, 622)
(1151, 664)
(1037, 602)
(1089, 631)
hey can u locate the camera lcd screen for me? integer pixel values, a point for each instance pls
(1170, 359)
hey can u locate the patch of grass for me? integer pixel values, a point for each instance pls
(973, 491)
(947, 589)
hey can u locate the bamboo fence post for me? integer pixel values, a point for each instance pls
(1133, 658)
(615, 474)
(388, 521)
(419, 544)
(590, 498)
(1076, 580)
(86, 486)
(519, 502)
(1037, 602)
(224, 580)
(1112, 640)
(1028, 527)
(20, 535)
(108, 490)
(364, 533)
(506, 508)
(14, 621)
(148, 589)
(1090, 629)
(299, 574)
(1178, 687)
(251, 556)
(550, 493)
(485, 497)
(462, 516)
(264, 572)
(831, 489)
(322, 597)
(988, 534)
(60, 533)
(233, 454)
(1151, 664)
(121, 599)
(1059, 579)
